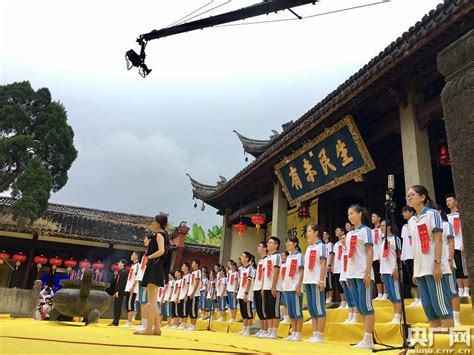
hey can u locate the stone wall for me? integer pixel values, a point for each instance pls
(19, 302)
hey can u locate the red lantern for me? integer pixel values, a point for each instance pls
(84, 264)
(55, 262)
(18, 259)
(40, 260)
(115, 268)
(258, 220)
(240, 228)
(98, 266)
(70, 264)
(444, 159)
(4, 256)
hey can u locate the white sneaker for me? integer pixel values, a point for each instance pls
(246, 333)
(289, 337)
(394, 321)
(271, 336)
(230, 320)
(174, 327)
(457, 323)
(353, 320)
(461, 292)
(257, 334)
(347, 306)
(284, 321)
(384, 297)
(297, 337)
(364, 345)
(127, 325)
(378, 298)
(221, 319)
(263, 335)
(140, 328)
(182, 326)
(314, 340)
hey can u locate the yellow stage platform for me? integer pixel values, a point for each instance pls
(25, 336)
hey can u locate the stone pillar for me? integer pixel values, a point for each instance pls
(456, 63)
(415, 146)
(279, 213)
(34, 298)
(226, 242)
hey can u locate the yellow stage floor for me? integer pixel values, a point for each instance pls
(26, 336)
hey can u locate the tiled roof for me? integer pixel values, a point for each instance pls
(202, 249)
(97, 226)
(87, 224)
(388, 59)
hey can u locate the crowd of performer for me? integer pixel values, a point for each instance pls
(362, 265)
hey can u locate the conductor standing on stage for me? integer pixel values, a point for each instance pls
(119, 293)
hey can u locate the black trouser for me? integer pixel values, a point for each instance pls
(118, 302)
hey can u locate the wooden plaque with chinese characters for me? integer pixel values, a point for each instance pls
(332, 158)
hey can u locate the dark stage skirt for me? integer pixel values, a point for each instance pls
(154, 274)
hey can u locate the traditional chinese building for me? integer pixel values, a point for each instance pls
(70, 232)
(385, 119)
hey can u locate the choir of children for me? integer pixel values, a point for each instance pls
(430, 247)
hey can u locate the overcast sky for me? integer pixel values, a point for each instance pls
(137, 138)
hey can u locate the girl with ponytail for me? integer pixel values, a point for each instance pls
(360, 274)
(431, 266)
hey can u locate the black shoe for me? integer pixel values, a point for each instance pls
(112, 325)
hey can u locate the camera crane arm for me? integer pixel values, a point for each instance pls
(262, 8)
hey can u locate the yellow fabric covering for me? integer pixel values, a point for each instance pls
(26, 336)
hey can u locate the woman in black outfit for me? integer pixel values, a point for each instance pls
(154, 273)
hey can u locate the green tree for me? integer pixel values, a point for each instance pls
(36, 148)
(198, 236)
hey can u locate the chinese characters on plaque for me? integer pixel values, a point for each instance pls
(334, 157)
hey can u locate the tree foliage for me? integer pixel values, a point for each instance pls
(198, 236)
(36, 147)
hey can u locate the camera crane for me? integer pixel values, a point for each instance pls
(267, 6)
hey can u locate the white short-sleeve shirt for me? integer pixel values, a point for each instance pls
(455, 221)
(175, 294)
(356, 242)
(377, 241)
(132, 275)
(312, 262)
(425, 224)
(168, 289)
(345, 260)
(221, 283)
(272, 261)
(338, 251)
(293, 267)
(141, 269)
(195, 277)
(183, 292)
(388, 255)
(232, 280)
(211, 290)
(260, 274)
(204, 283)
(448, 234)
(161, 293)
(407, 244)
(247, 275)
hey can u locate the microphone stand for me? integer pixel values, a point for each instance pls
(390, 212)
